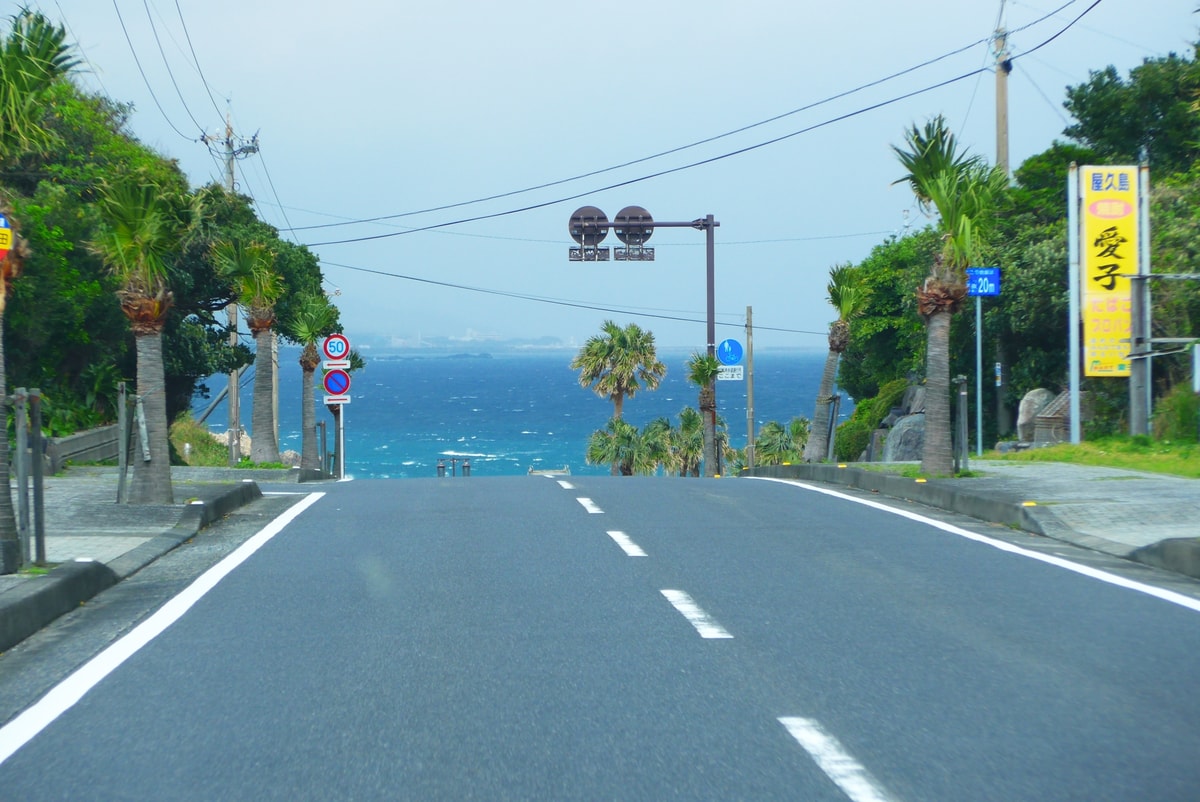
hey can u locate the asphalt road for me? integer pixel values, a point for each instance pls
(626, 639)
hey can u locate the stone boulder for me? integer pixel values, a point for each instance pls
(1031, 406)
(905, 440)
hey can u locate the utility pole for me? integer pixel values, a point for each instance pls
(1003, 68)
(232, 152)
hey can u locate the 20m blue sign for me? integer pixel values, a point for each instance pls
(983, 281)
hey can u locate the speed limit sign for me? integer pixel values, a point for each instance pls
(336, 346)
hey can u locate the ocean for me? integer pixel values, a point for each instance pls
(510, 411)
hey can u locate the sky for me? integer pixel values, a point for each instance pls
(367, 109)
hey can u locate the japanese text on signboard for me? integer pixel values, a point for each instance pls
(1109, 251)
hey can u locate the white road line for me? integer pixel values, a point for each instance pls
(1092, 573)
(565, 485)
(25, 727)
(704, 624)
(627, 545)
(590, 506)
(849, 775)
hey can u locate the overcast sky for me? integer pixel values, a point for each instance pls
(365, 108)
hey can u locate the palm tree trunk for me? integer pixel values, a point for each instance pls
(151, 481)
(937, 456)
(263, 445)
(309, 457)
(815, 450)
(10, 545)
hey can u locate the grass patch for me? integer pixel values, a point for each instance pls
(194, 445)
(34, 570)
(1131, 453)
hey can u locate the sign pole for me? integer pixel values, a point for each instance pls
(978, 376)
(1073, 313)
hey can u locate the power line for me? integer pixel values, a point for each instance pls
(701, 162)
(564, 303)
(146, 80)
(167, 65)
(671, 151)
(195, 60)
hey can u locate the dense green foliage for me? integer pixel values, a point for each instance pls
(63, 328)
(1156, 107)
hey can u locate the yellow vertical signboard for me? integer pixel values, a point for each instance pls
(1109, 255)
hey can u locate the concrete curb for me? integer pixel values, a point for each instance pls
(43, 599)
(955, 495)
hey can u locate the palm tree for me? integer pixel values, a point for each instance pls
(33, 56)
(250, 268)
(690, 445)
(314, 317)
(702, 371)
(961, 189)
(621, 444)
(139, 233)
(849, 298)
(617, 363)
(777, 444)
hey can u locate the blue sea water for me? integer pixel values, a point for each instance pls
(508, 412)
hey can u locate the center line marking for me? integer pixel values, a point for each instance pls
(627, 545)
(590, 506)
(565, 485)
(849, 775)
(702, 621)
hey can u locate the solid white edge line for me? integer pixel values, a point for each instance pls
(1092, 573)
(590, 506)
(702, 621)
(59, 699)
(846, 772)
(627, 545)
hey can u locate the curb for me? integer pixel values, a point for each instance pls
(1181, 556)
(69, 585)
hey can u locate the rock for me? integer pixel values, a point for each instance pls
(1031, 405)
(290, 458)
(905, 440)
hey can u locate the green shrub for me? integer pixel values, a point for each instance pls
(1177, 414)
(854, 435)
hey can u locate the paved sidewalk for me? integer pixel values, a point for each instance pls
(93, 542)
(1150, 518)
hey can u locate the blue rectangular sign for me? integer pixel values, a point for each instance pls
(983, 281)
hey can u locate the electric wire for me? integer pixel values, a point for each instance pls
(195, 60)
(710, 160)
(146, 80)
(167, 66)
(566, 303)
(697, 143)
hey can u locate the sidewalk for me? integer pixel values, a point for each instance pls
(1146, 517)
(95, 542)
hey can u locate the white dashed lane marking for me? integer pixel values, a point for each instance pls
(702, 621)
(627, 545)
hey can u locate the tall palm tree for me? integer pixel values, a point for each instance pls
(33, 56)
(617, 363)
(849, 297)
(702, 371)
(314, 317)
(249, 267)
(140, 231)
(960, 188)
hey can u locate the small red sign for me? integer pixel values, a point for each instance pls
(337, 382)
